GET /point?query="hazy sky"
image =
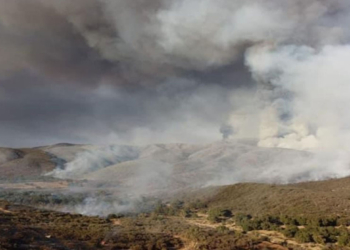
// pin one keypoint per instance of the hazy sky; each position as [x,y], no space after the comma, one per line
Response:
[145,71]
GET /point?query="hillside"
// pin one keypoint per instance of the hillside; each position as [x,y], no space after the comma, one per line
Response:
[331,197]
[184,166]
[131,173]
[223,195]
[23,227]
[24,163]
[177,166]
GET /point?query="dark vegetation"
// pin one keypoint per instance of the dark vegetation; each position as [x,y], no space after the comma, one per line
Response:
[315,212]
[44,198]
[26,228]
[304,229]
[331,197]
[319,230]
[184,233]
[23,227]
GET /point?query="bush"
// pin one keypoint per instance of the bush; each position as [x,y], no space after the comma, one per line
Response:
[223,229]
[329,222]
[216,214]
[329,234]
[343,222]
[301,221]
[318,238]
[290,231]
[239,218]
[303,236]
[197,205]
[177,205]
[344,239]
[249,225]
[286,220]
[314,222]
[186,213]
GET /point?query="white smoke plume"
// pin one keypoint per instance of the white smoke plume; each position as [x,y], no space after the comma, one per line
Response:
[315,100]
[94,160]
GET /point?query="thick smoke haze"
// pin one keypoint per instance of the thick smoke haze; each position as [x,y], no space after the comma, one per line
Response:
[116,71]
[120,179]
[270,77]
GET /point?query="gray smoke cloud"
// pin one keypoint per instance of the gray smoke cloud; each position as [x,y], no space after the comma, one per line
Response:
[115,70]
[150,71]
[154,38]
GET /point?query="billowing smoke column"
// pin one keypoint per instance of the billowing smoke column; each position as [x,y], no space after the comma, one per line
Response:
[297,52]
[307,103]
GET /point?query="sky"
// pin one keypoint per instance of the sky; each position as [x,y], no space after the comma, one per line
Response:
[162,71]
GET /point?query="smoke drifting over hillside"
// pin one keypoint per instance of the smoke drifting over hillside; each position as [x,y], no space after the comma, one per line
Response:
[104,71]
[144,72]
[120,179]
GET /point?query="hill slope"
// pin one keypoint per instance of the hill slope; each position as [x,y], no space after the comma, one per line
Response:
[331,197]
[24,163]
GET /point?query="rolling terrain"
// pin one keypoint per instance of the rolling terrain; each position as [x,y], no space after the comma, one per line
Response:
[25,163]
[219,163]
[224,195]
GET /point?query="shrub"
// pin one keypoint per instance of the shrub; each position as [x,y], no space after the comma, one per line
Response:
[329,234]
[290,231]
[314,222]
[216,214]
[316,237]
[177,204]
[197,205]
[343,222]
[223,229]
[329,222]
[186,213]
[344,239]
[239,218]
[249,225]
[303,236]
[301,221]
[286,220]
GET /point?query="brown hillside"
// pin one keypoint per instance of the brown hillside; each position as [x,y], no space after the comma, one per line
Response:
[18,163]
[330,197]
